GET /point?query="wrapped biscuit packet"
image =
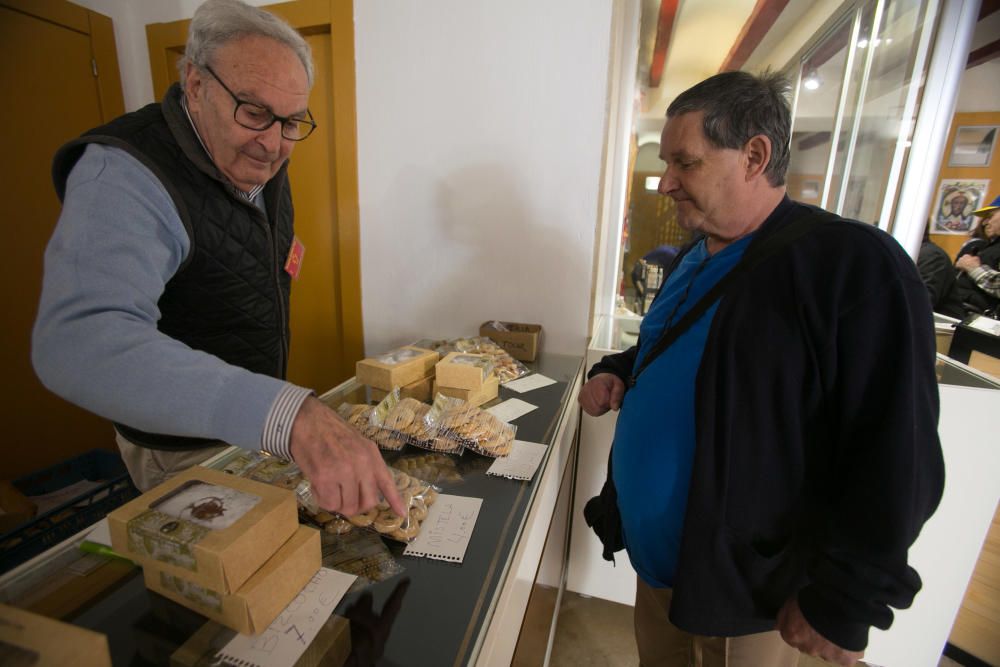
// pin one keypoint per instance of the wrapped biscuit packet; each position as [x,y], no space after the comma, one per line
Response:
[402,420]
[359,416]
[276,471]
[383,434]
[430,436]
[477,430]
[418,495]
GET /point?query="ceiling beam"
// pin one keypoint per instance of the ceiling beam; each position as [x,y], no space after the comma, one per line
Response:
[988,7]
[813,140]
[984,53]
[759,23]
[664,28]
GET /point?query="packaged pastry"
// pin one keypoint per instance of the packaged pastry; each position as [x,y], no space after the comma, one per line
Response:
[360,417]
[430,436]
[473,428]
[418,495]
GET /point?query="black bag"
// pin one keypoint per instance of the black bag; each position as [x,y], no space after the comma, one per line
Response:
[601,511]
[601,514]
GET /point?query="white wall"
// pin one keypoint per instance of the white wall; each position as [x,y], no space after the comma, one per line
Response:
[480,133]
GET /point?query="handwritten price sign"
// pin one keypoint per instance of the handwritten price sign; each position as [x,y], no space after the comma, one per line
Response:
[446,532]
[290,634]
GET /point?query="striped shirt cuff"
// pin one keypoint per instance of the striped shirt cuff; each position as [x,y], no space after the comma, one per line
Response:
[276,438]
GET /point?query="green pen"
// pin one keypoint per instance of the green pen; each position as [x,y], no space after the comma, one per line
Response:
[101,549]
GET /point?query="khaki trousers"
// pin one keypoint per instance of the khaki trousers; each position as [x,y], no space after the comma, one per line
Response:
[151,467]
[662,644]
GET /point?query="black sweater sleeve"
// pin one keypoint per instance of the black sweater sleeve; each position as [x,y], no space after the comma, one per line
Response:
[619,364]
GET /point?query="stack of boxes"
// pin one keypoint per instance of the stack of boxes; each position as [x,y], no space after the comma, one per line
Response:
[409,368]
[229,548]
[467,376]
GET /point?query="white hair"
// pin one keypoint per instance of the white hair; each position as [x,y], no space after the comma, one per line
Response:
[217,22]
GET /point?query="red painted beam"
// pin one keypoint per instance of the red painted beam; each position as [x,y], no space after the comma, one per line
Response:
[761,19]
[813,140]
[664,27]
[984,53]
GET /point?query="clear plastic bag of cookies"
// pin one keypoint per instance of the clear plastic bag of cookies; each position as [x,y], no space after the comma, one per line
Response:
[383,418]
[430,435]
[276,471]
[477,430]
[418,495]
[402,423]
[359,416]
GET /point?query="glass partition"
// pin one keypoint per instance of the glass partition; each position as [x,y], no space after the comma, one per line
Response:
[855,103]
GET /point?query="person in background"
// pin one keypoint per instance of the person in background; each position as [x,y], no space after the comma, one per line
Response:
[977,239]
[164,304]
[772,466]
[662,256]
[935,268]
[977,287]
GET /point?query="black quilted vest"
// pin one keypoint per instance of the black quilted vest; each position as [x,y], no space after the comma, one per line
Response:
[229,298]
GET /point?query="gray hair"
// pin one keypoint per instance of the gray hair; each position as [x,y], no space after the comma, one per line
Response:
[739,106]
[216,22]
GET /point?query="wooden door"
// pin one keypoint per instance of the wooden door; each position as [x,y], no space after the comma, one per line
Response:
[59,71]
[327,336]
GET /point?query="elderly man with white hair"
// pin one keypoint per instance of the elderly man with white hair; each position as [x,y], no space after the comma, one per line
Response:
[165,303]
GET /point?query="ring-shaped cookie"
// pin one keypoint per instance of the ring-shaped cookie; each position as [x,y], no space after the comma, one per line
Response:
[387,522]
[364,519]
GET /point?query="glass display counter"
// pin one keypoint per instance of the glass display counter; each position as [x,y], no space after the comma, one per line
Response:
[434,613]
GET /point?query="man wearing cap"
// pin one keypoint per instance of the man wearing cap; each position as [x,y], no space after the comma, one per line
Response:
[977,288]
[165,300]
[773,463]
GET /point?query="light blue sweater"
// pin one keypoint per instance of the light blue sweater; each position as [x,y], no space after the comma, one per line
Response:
[118,241]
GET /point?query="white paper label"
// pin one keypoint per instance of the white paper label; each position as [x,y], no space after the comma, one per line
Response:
[521,463]
[511,409]
[986,324]
[446,531]
[529,383]
[290,634]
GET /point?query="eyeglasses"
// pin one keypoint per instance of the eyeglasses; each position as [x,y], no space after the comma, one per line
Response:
[255,117]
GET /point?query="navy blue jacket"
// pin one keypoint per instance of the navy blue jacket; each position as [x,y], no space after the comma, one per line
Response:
[817,456]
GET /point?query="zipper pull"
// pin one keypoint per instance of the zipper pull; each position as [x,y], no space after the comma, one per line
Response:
[631,381]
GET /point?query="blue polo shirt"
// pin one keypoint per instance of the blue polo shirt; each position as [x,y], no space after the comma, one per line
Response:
[655,436]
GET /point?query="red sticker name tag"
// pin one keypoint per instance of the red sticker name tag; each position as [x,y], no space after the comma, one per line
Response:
[294,262]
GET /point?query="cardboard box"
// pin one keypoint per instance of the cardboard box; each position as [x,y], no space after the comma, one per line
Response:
[397,368]
[461,370]
[521,341]
[476,397]
[420,390]
[259,601]
[31,639]
[212,529]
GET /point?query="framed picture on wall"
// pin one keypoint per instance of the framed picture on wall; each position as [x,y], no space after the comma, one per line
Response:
[973,146]
[956,200]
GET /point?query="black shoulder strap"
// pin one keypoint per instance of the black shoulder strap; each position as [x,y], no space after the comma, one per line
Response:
[754,256]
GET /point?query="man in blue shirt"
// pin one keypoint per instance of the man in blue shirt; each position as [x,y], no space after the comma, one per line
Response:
[759,482]
[165,300]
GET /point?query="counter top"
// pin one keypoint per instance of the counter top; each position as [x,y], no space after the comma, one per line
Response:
[434,613]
